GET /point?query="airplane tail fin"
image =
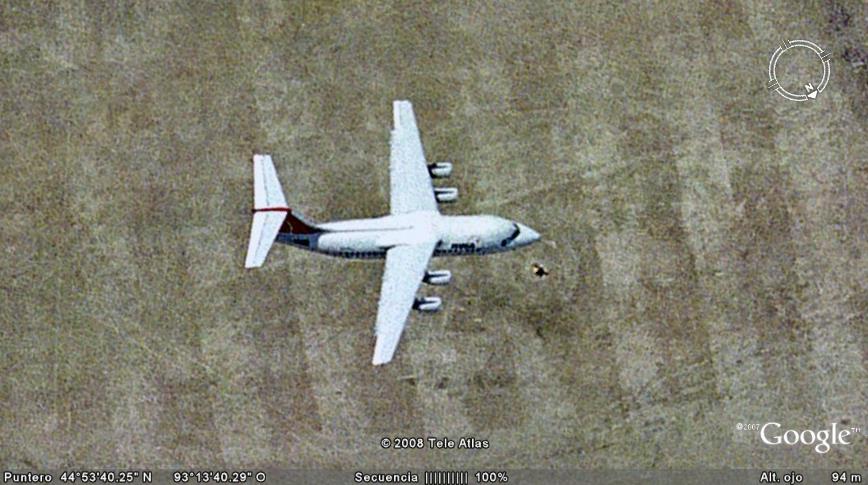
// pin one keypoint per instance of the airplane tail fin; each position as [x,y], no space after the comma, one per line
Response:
[271,215]
[269,210]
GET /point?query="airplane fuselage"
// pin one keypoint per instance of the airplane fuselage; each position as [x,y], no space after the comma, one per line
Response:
[456,235]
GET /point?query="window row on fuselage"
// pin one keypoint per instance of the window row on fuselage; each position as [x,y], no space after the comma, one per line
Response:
[359,254]
[452,250]
[462,248]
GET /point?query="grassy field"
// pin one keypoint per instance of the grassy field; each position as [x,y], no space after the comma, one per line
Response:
[707,239]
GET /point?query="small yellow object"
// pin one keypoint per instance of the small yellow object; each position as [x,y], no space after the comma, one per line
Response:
[539,270]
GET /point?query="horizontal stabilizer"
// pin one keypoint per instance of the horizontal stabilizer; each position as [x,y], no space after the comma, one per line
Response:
[269,210]
[266,187]
[262,234]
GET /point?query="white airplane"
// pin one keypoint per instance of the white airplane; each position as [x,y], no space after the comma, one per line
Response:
[408,237]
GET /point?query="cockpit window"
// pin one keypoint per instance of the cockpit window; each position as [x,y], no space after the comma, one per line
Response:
[512,236]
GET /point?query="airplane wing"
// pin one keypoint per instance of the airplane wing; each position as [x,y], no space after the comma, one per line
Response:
[411,188]
[405,268]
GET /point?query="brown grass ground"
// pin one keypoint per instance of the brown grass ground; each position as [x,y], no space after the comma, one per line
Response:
[706,239]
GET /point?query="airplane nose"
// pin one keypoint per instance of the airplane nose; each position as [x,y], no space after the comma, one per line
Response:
[527,235]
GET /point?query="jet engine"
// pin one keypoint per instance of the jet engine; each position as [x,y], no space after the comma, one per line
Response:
[446,194]
[438,277]
[440,170]
[427,304]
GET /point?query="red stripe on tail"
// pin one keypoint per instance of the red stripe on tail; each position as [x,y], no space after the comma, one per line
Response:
[273,209]
[295,225]
[291,224]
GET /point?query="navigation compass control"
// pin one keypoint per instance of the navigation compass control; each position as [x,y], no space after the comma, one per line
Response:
[811,92]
